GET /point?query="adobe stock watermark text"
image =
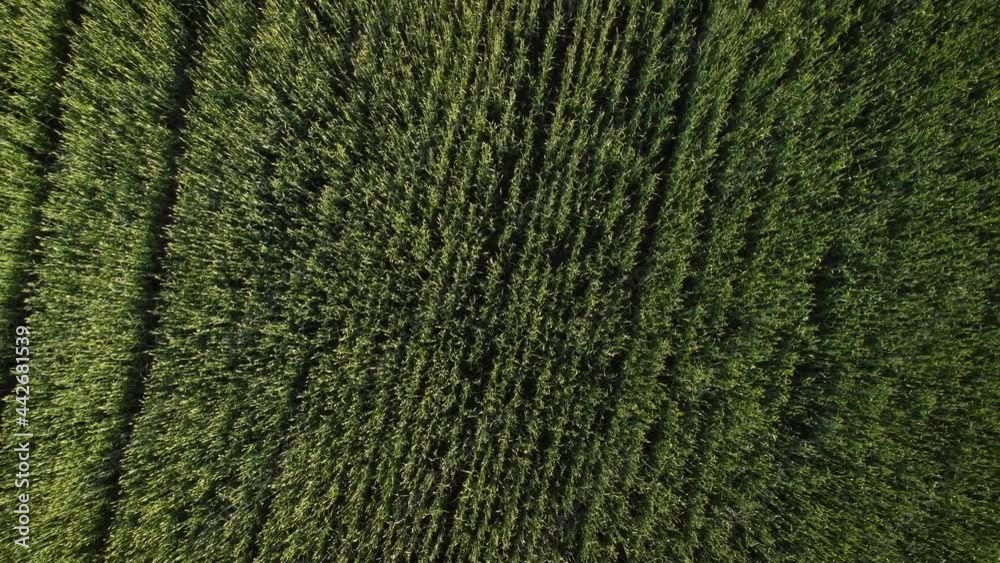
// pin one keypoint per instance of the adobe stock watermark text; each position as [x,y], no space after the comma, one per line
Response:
[22,436]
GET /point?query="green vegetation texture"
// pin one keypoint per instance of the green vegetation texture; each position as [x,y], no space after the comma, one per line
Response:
[503,280]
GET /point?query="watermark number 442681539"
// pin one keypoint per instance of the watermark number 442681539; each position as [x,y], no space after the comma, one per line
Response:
[22,436]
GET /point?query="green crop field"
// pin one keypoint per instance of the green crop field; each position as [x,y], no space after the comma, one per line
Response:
[500,280]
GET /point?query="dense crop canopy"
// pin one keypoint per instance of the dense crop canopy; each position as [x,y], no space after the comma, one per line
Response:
[494,281]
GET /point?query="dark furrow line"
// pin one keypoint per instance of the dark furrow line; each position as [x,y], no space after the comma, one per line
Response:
[46,162]
[192,17]
[688,318]
[797,421]
[705,220]
[63,53]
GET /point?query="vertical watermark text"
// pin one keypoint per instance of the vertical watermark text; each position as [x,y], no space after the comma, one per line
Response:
[22,436]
